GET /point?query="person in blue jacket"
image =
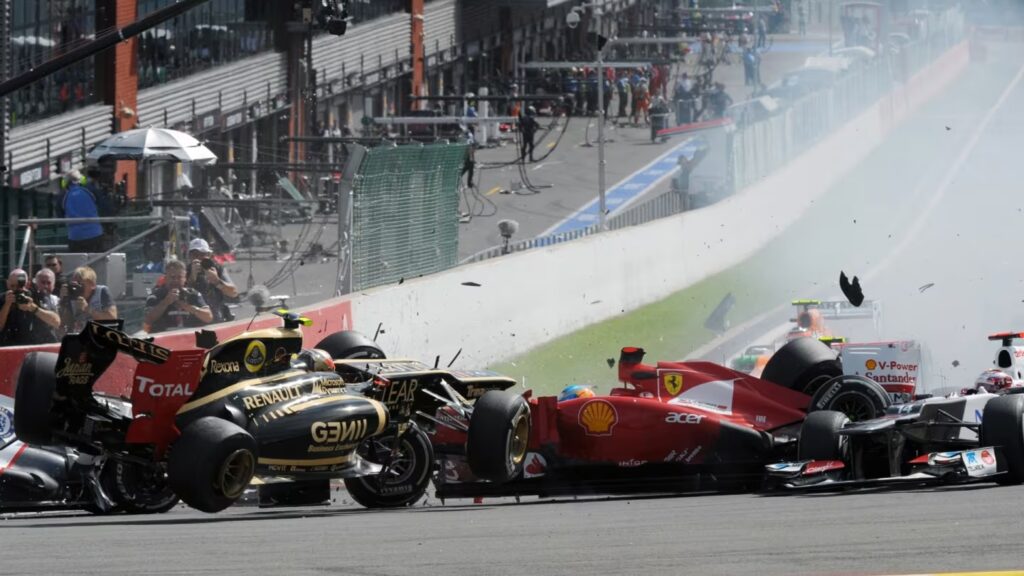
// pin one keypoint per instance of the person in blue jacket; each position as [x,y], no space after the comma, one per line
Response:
[80,202]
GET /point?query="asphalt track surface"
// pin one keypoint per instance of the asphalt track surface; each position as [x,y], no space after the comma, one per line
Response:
[956,209]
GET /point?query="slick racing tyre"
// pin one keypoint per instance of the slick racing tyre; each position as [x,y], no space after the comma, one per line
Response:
[405,477]
[858,397]
[1002,424]
[33,398]
[349,344]
[499,430]
[803,364]
[820,438]
[211,464]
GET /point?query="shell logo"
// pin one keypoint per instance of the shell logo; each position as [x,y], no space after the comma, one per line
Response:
[871,364]
[598,418]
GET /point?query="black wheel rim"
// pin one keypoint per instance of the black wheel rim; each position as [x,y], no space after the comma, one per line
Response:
[400,466]
[144,486]
[856,406]
[235,473]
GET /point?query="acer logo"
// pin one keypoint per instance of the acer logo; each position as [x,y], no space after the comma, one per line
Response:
[683,418]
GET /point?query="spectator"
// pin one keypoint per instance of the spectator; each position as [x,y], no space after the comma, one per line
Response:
[211,280]
[79,202]
[174,306]
[719,100]
[801,18]
[54,264]
[527,129]
[83,300]
[762,32]
[469,164]
[623,89]
[28,315]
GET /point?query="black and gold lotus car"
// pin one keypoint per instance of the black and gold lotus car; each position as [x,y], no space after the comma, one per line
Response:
[206,423]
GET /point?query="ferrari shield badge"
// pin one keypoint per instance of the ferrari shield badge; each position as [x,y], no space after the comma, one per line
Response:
[673,382]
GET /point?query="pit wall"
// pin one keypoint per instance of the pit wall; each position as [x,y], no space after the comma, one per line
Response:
[492,310]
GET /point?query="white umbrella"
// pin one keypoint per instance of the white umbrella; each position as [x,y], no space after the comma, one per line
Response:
[152,144]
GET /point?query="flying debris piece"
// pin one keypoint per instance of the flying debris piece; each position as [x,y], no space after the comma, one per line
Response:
[948,128]
[850,289]
[956,363]
[926,286]
[474,284]
[400,281]
[611,362]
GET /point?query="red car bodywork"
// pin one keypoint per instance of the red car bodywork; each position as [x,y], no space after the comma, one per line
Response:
[683,414]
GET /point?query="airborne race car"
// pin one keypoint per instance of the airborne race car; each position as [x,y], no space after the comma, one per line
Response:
[201,424]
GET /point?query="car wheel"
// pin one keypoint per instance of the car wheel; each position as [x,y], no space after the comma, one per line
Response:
[350,344]
[499,431]
[141,489]
[33,398]
[858,397]
[212,463]
[803,364]
[407,473]
[820,438]
[1002,424]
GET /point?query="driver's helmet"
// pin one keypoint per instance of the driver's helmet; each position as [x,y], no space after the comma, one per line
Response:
[993,381]
[575,391]
[316,360]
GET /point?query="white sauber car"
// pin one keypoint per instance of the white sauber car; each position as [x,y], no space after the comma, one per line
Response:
[976,435]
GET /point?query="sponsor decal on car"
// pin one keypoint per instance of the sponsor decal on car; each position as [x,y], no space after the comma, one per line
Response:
[633,463]
[673,382]
[255,356]
[598,418]
[821,466]
[334,436]
[535,465]
[684,456]
[980,462]
[77,373]
[683,418]
[155,389]
[6,423]
[871,364]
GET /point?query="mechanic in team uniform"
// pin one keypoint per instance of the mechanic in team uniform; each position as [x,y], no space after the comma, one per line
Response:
[174,306]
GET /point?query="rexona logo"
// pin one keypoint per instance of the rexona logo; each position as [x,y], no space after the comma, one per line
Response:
[598,418]
[683,418]
[154,389]
[338,432]
[224,367]
[255,356]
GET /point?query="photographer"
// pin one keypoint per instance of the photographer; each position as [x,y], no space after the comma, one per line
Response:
[82,300]
[28,315]
[54,264]
[211,280]
[174,306]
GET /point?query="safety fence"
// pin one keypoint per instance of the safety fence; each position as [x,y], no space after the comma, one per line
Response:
[405,213]
[759,148]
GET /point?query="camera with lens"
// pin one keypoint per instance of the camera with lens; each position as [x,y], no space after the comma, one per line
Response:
[207,264]
[21,294]
[75,290]
[185,293]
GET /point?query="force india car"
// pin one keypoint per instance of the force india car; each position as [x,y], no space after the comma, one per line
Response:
[202,424]
[671,426]
[976,435]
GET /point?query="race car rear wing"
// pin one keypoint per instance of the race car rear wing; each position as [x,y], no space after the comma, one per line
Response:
[85,356]
[843,310]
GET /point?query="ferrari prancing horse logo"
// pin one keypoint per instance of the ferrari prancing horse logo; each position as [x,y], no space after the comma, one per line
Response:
[673,382]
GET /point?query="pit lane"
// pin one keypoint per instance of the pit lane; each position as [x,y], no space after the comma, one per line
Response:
[878,532]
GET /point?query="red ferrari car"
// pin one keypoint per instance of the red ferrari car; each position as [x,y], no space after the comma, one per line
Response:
[670,426]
